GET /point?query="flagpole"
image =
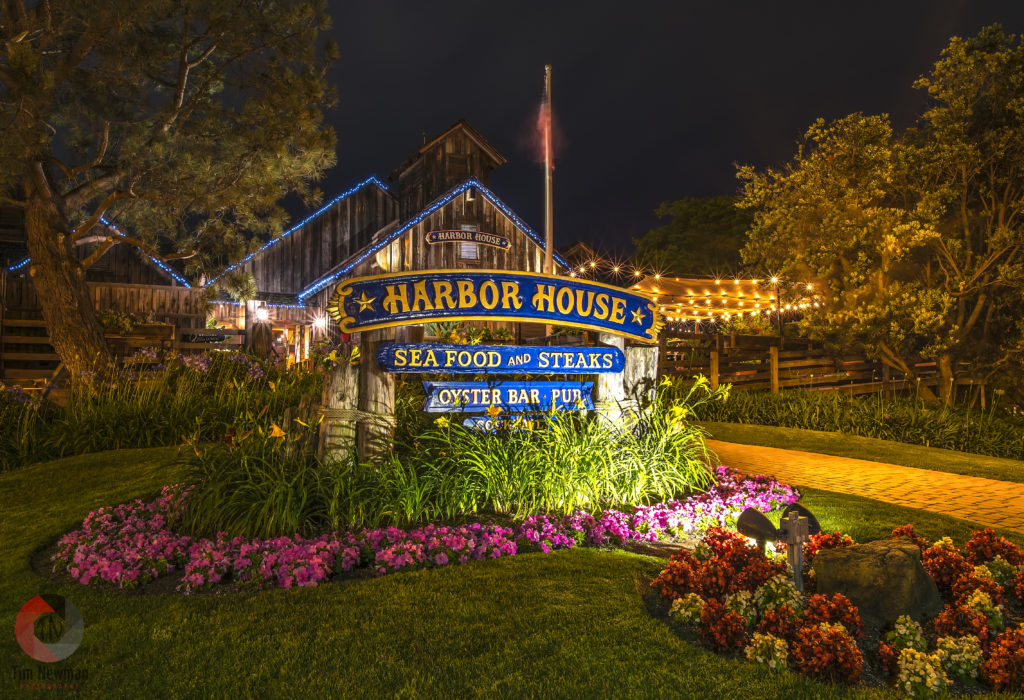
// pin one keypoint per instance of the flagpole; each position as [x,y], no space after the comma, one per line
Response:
[549,218]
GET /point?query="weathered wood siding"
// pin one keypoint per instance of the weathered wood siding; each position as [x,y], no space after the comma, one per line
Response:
[123,264]
[453,160]
[410,251]
[184,307]
[307,254]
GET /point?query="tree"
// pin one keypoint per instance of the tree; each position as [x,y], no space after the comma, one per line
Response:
[915,240]
[703,237]
[184,120]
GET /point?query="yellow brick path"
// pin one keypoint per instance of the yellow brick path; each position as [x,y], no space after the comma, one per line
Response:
[985,501]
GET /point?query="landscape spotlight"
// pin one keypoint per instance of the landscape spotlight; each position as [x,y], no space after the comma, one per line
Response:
[262,313]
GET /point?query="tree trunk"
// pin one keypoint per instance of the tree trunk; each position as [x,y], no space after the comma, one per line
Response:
[59,281]
[946,379]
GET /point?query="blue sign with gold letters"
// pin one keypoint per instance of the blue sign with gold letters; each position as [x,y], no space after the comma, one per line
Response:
[491,239]
[478,397]
[404,298]
[499,359]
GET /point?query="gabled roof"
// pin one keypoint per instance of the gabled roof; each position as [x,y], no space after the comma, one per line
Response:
[161,266]
[444,199]
[474,135]
[372,180]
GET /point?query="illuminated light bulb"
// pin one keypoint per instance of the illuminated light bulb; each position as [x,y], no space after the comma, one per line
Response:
[573,273]
[735,281]
[775,280]
[636,273]
[593,264]
[810,286]
[706,292]
[657,276]
[615,269]
[718,281]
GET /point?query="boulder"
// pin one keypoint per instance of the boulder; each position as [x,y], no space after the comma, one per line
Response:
[884,579]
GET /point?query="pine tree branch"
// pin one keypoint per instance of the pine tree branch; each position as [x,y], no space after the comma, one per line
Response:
[85,229]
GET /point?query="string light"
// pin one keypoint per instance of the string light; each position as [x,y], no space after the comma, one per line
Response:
[18,265]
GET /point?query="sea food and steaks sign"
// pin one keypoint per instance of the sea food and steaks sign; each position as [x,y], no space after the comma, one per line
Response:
[504,359]
[399,299]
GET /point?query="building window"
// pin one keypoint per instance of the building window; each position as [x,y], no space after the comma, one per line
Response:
[468,251]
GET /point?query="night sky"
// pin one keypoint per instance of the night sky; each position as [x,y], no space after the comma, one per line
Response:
[655,100]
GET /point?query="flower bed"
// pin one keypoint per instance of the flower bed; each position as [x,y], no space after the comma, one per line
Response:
[134,543]
[728,597]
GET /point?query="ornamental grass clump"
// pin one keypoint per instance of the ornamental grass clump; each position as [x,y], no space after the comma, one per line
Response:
[560,464]
[767,652]
[921,674]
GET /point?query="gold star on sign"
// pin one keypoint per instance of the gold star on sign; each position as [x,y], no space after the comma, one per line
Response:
[638,316]
[366,303]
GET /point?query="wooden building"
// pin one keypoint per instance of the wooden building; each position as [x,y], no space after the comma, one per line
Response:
[436,213]
[373,228]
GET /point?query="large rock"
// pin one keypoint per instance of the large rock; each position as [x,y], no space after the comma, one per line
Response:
[884,579]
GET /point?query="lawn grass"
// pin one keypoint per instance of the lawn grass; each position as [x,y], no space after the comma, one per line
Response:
[567,624]
[874,449]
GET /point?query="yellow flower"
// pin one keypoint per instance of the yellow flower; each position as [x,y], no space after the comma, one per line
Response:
[493,411]
[332,355]
[275,431]
[442,422]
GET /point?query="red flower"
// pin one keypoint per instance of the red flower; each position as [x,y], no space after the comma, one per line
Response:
[826,652]
[720,628]
[824,540]
[783,622]
[944,564]
[678,578]
[908,532]
[960,621]
[968,583]
[985,545]
[838,608]
[1005,665]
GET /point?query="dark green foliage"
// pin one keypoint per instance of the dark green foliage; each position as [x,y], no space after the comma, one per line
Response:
[991,432]
[256,484]
[147,410]
[703,237]
[260,485]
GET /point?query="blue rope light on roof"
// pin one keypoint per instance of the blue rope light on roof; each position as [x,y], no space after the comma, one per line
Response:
[159,263]
[372,180]
[18,265]
[317,286]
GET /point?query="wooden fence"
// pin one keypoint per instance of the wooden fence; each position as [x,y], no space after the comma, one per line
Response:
[177,315]
[776,364]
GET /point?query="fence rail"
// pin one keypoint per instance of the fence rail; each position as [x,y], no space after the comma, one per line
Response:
[777,364]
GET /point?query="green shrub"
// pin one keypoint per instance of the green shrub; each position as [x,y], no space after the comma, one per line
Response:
[991,432]
[261,485]
[263,482]
[202,395]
